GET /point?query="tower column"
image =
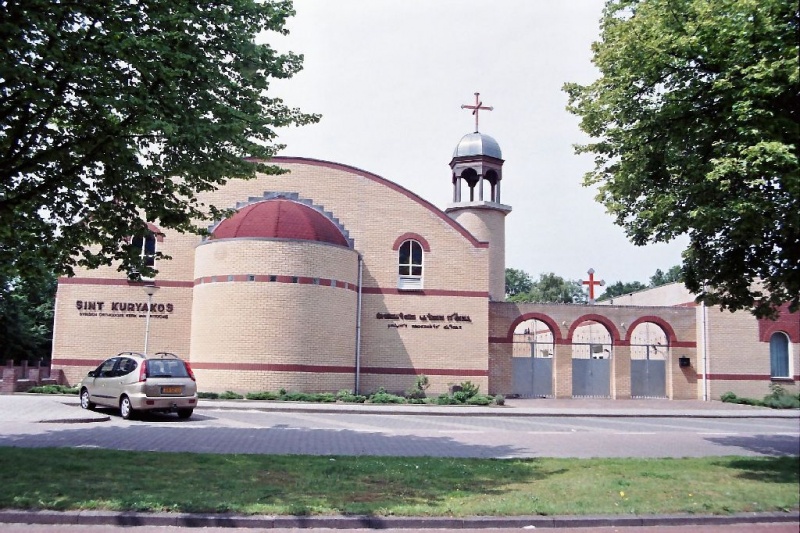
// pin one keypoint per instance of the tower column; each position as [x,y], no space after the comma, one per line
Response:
[480,187]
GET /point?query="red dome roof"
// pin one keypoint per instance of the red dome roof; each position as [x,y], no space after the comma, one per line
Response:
[280,219]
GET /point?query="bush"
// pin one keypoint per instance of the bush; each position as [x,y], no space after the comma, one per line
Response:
[729,397]
[469,389]
[265,395]
[230,395]
[500,399]
[417,391]
[778,398]
[53,389]
[479,399]
[208,395]
[385,397]
[446,399]
[347,396]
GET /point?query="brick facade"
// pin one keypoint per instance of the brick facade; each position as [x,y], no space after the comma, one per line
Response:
[255,314]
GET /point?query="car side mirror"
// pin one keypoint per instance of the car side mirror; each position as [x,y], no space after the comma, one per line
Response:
[91,373]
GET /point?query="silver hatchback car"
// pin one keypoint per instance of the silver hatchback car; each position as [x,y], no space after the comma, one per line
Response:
[134,382]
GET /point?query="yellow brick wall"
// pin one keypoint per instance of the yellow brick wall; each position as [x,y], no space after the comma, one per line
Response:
[734,348]
[488,225]
[458,347]
[93,334]
[239,322]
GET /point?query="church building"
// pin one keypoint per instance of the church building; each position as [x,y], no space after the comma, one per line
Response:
[329,278]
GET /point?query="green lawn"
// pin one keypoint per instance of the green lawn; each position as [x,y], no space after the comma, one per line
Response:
[64,479]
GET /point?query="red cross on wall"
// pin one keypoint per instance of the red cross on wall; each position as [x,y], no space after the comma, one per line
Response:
[476,109]
[591,283]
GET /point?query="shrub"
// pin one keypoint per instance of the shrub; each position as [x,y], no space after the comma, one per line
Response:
[500,399]
[446,399]
[729,397]
[208,395]
[265,395]
[53,389]
[347,396]
[782,402]
[479,399]
[417,391]
[469,388]
[230,395]
[384,397]
[778,398]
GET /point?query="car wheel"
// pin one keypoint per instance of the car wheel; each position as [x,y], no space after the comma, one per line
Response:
[125,408]
[185,413]
[86,403]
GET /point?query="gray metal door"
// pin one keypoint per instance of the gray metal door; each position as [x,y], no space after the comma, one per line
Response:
[591,378]
[648,378]
[533,377]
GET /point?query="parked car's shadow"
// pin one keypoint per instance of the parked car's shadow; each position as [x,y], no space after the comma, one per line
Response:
[149,416]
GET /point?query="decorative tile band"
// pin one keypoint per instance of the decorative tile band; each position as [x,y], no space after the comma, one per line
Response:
[273,278]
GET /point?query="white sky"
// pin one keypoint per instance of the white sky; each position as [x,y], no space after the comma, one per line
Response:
[389,78]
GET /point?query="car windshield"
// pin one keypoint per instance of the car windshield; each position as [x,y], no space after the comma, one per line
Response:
[159,368]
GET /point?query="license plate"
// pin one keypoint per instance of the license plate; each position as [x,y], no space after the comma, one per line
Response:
[171,390]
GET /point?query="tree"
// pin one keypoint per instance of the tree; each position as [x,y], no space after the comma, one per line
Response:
[517,282]
[552,289]
[115,114]
[671,276]
[695,121]
[619,288]
[26,315]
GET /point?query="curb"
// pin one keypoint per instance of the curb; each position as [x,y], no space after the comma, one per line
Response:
[109,518]
[503,412]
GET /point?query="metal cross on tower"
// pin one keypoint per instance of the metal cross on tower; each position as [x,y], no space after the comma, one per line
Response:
[476,109]
[591,283]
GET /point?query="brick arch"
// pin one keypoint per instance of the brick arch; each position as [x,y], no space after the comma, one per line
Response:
[156,231]
[411,236]
[612,329]
[672,338]
[159,235]
[538,316]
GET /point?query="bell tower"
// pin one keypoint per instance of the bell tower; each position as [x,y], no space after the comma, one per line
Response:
[477,171]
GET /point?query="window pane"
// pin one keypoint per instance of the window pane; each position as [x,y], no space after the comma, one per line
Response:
[405,252]
[779,355]
[416,253]
[416,271]
[404,270]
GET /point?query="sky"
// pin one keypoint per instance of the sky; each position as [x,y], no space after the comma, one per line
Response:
[389,78]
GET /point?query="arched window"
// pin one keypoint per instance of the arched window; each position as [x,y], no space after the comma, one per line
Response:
[779,355]
[145,247]
[410,265]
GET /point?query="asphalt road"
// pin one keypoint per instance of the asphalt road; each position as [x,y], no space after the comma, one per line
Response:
[243,430]
[527,429]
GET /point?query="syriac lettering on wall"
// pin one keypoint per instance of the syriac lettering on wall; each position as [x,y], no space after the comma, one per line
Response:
[425,321]
[123,309]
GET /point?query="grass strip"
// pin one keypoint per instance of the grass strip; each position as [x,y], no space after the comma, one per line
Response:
[78,479]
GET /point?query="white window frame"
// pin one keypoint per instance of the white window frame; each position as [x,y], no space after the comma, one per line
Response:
[789,369]
[406,279]
[149,258]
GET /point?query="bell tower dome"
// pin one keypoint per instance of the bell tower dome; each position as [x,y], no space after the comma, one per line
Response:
[477,170]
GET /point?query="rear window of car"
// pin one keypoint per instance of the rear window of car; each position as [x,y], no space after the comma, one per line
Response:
[163,368]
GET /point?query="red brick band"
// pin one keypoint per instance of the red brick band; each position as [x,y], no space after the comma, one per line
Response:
[273,367]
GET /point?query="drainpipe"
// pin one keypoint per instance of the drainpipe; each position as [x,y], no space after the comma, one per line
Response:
[358,326]
[704,321]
